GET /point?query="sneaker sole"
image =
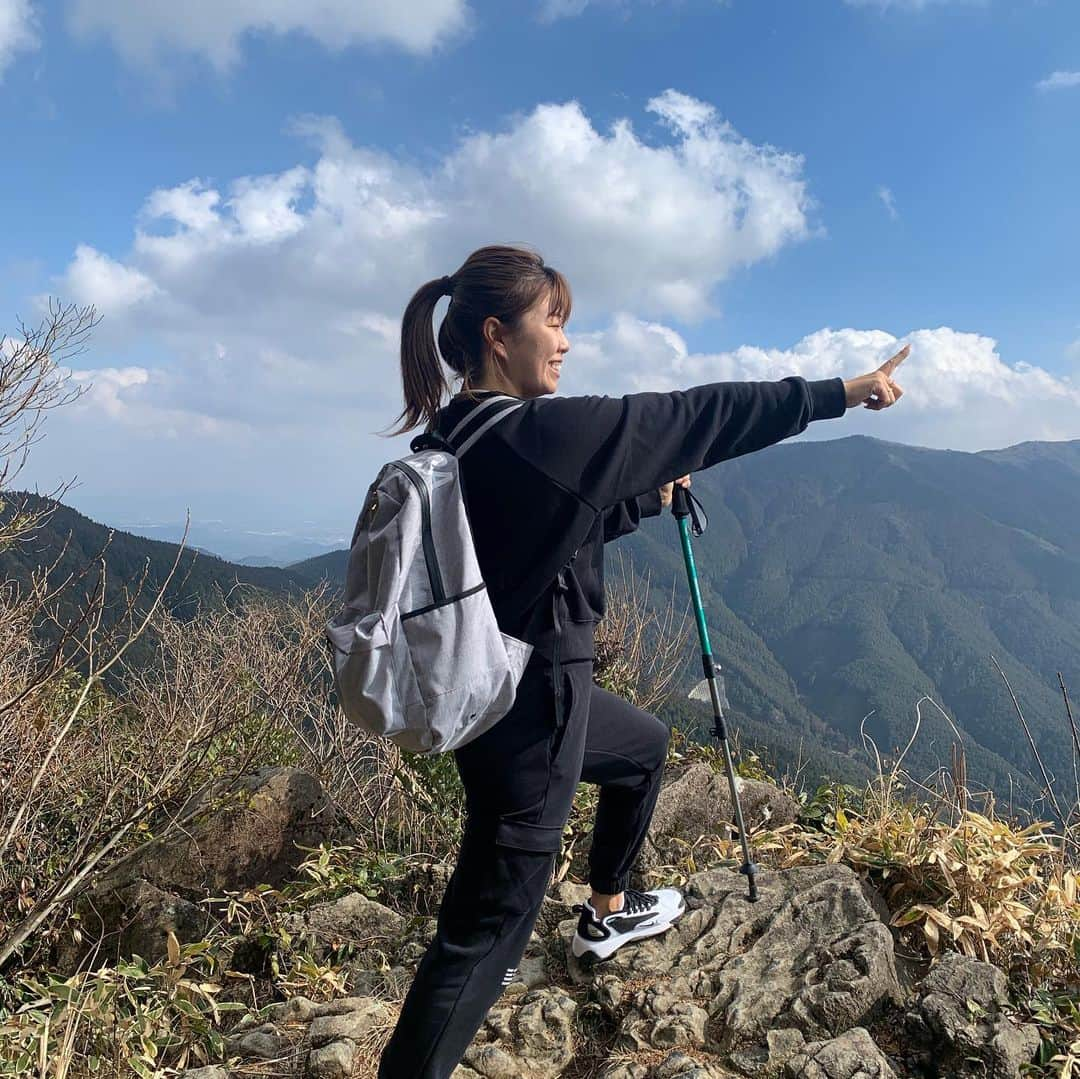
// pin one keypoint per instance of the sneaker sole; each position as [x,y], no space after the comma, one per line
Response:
[592,952]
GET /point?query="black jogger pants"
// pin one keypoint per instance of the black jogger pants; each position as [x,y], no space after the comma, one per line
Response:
[519,778]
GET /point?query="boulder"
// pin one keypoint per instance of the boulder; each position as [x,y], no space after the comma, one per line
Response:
[698,802]
[353,920]
[134,919]
[960,1021]
[254,838]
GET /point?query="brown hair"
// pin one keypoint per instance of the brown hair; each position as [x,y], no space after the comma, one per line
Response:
[498,281]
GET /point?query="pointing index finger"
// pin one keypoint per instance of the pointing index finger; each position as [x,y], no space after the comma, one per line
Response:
[894,362]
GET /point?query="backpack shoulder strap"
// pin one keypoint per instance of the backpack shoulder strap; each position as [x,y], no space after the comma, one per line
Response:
[480,419]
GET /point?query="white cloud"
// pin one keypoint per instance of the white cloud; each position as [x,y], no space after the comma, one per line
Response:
[266,312]
[888,200]
[958,391]
[109,285]
[255,325]
[18,30]
[1059,80]
[215,29]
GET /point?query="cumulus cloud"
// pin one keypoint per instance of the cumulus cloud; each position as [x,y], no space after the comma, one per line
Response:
[18,30]
[1059,80]
[215,29]
[655,225]
[959,393]
[255,324]
[109,285]
[266,312]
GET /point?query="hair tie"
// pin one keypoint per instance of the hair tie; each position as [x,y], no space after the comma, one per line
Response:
[447,285]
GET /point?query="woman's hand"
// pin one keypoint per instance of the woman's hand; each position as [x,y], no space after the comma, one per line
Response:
[877,389]
[668,489]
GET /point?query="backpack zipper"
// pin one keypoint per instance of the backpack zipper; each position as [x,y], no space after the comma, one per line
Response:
[438,592]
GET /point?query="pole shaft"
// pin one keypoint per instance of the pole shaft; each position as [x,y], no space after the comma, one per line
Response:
[719,729]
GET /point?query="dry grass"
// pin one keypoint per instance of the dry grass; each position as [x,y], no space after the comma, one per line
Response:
[87,778]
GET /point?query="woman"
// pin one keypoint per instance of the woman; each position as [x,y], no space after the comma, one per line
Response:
[545,489]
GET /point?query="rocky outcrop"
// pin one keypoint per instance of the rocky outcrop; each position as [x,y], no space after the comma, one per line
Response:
[353,920]
[790,987]
[132,919]
[960,1019]
[801,984]
[697,802]
[811,955]
[254,838]
[852,1055]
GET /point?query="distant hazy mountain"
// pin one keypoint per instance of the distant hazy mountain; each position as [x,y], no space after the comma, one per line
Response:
[242,546]
[200,578]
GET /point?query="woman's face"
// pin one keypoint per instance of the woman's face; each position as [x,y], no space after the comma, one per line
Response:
[530,357]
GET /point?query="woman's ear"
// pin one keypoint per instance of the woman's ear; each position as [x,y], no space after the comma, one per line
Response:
[493,339]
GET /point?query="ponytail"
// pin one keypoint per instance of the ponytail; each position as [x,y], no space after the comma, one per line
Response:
[498,281]
[421,370]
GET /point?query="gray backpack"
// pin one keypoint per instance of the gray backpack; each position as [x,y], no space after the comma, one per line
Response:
[417,654]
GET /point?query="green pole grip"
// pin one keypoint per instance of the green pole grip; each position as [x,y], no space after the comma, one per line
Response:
[695,591]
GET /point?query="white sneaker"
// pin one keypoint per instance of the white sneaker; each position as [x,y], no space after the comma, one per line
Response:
[643,914]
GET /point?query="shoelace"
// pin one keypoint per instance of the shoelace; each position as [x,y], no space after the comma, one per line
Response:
[633,903]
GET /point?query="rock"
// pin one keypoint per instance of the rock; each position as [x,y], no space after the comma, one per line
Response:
[421,888]
[341,1006]
[253,839]
[263,1043]
[567,893]
[662,1016]
[676,1065]
[852,1055]
[351,920]
[766,1061]
[209,1072]
[679,1066]
[298,1009]
[532,1040]
[810,954]
[634,1070]
[532,972]
[698,802]
[545,1030]
[959,1018]
[354,1024]
[134,919]
[294,1010]
[333,1061]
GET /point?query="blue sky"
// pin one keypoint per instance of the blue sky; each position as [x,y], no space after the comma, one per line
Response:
[746,189]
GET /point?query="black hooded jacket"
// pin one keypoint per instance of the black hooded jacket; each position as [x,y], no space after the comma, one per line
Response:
[559,477]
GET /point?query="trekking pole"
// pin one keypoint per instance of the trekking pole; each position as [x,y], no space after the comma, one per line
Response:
[683,508]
